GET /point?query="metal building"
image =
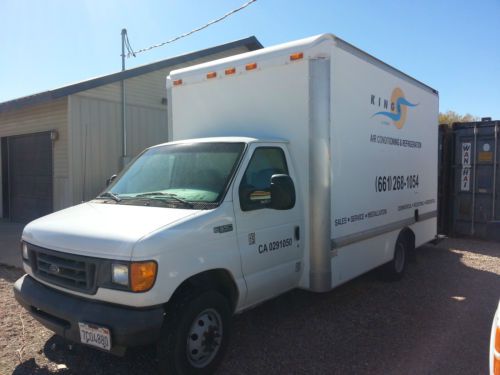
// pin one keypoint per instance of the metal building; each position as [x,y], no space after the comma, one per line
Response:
[58,147]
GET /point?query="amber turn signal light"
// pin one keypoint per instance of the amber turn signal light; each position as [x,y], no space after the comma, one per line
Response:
[142,275]
[496,352]
[497,339]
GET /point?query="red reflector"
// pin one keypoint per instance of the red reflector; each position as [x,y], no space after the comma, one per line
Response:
[177,82]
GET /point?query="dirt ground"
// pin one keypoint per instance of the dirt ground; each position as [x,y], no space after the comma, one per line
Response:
[436,320]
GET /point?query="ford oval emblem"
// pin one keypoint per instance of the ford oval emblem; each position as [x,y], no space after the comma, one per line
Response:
[53,268]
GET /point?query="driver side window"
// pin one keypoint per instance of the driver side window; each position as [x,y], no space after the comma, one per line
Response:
[255,186]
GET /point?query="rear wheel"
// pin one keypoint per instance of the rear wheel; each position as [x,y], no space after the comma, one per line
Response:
[395,269]
[195,334]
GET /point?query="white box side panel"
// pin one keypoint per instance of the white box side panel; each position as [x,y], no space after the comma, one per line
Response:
[371,141]
[269,103]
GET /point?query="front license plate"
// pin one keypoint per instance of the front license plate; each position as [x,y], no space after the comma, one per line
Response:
[91,334]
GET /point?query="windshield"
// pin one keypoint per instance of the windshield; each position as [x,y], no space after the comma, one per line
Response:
[188,175]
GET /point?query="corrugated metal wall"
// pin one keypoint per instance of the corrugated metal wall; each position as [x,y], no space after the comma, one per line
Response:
[96,140]
[95,133]
[39,118]
[89,147]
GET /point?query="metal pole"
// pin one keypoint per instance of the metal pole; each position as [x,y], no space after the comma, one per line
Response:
[494,174]
[474,182]
[124,123]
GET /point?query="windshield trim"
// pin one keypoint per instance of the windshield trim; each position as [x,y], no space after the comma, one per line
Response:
[233,174]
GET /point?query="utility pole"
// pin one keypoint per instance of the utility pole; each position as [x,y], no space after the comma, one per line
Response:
[125,158]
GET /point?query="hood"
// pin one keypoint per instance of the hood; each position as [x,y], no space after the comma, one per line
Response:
[100,230]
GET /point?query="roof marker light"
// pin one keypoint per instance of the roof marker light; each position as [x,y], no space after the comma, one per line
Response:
[296,56]
[177,82]
[230,71]
[211,75]
[251,66]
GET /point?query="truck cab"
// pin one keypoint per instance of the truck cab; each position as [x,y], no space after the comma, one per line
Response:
[216,215]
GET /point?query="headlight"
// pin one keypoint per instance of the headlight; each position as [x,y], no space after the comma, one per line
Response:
[24,248]
[119,274]
[137,276]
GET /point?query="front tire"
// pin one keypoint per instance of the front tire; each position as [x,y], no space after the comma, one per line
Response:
[195,334]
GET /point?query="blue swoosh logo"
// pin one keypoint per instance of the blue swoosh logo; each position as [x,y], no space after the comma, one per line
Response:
[397,116]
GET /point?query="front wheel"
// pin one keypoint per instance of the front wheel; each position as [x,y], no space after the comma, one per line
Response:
[195,334]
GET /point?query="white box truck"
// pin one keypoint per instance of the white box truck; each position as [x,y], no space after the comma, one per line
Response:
[302,165]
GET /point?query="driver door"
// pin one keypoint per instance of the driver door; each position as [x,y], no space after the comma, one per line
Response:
[269,239]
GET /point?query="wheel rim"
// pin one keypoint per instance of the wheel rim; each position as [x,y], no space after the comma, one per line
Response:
[204,338]
[399,258]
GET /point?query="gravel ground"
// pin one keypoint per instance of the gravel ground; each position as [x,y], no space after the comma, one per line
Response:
[436,320]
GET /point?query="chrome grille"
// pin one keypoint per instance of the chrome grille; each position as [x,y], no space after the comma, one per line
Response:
[66,270]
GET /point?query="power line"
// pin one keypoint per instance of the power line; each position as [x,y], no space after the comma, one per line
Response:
[134,53]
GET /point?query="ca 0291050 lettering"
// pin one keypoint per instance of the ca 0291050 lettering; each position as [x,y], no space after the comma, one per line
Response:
[275,245]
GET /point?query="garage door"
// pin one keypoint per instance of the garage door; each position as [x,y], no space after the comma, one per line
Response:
[29,176]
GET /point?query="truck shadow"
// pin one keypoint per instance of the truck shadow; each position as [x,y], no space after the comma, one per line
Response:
[436,320]
[79,359]
[10,273]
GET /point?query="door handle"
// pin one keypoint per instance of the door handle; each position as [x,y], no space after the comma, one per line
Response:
[297,233]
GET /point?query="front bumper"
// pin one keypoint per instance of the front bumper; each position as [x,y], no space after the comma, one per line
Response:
[61,312]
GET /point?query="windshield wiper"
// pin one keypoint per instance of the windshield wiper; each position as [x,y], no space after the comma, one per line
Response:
[111,195]
[170,196]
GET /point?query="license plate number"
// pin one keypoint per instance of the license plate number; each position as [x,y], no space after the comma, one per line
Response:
[93,335]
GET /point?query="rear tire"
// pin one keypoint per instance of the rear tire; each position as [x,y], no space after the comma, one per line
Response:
[395,269]
[195,334]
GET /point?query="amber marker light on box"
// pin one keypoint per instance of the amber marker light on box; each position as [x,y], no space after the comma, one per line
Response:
[296,56]
[230,71]
[177,82]
[251,66]
[142,275]
[211,75]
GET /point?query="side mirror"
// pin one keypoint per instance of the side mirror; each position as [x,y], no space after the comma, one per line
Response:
[282,192]
[251,199]
[110,180]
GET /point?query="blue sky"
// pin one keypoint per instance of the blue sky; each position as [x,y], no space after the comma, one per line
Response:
[453,46]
